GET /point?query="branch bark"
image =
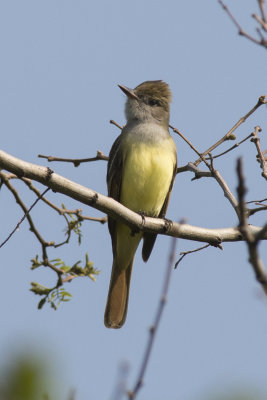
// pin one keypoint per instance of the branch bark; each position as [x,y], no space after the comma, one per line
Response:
[116,210]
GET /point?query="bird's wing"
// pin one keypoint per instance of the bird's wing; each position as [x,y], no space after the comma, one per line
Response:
[114,178]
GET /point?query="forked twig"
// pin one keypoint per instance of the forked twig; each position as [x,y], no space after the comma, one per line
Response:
[184,253]
[233,147]
[228,135]
[262,22]
[252,242]
[26,211]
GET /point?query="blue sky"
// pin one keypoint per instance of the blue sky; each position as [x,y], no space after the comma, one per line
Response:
[61,62]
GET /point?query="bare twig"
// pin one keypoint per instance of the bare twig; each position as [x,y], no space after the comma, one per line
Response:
[184,253]
[262,23]
[260,155]
[75,161]
[229,134]
[62,211]
[262,41]
[253,211]
[262,9]
[233,147]
[186,140]
[33,229]
[115,123]
[226,190]
[252,242]
[259,203]
[256,201]
[152,331]
[25,210]
[213,173]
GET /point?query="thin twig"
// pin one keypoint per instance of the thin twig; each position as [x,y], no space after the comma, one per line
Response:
[112,122]
[44,243]
[262,9]
[256,201]
[102,220]
[227,136]
[190,144]
[252,211]
[213,173]
[217,176]
[262,42]
[152,332]
[75,161]
[61,211]
[185,139]
[233,147]
[24,208]
[260,155]
[184,253]
[252,242]
[226,190]
[263,25]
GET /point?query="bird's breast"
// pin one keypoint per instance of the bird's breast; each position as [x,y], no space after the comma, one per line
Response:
[147,174]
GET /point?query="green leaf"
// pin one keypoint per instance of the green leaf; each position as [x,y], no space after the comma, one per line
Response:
[41,303]
[35,262]
[39,289]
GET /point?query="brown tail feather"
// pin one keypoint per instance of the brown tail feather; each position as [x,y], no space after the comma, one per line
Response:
[117,302]
[149,241]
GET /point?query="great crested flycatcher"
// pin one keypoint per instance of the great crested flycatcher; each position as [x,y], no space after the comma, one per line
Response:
[141,170]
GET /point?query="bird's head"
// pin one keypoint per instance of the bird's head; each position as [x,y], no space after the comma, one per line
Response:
[149,101]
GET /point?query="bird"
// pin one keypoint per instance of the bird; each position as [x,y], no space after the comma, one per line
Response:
[141,170]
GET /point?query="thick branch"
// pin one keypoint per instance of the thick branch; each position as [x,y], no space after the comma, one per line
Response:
[116,210]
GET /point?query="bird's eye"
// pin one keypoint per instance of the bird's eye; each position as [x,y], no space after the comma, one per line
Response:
[153,102]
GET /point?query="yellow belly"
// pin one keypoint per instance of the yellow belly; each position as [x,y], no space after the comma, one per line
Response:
[147,175]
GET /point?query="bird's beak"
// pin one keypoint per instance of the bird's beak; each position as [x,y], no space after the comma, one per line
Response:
[129,92]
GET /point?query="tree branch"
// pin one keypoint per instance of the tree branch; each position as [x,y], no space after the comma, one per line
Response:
[252,241]
[116,210]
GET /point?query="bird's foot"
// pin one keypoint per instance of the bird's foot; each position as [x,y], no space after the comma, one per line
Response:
[167,225]
[135,231]
[142,214]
